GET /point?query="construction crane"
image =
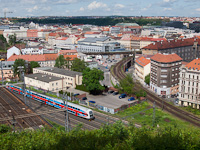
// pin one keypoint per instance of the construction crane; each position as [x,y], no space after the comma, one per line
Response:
[5,12]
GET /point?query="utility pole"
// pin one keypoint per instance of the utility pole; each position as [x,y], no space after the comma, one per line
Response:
[2,71]
[65,97]
[154,111]
[24,87]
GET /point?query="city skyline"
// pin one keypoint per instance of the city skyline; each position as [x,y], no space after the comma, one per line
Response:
[24,8]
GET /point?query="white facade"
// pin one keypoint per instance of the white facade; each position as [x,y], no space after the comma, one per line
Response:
[142,71]
[20,33]
[13,50]
[32,51]
[159,90]
[70,78]
[189,87]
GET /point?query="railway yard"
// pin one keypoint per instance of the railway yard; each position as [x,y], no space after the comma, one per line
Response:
[15,113]
[118,72]
[11,107]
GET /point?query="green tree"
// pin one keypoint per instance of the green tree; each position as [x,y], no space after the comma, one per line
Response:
[126,85]
[12,39]
[91,78]
[34,64]
[147,79]
[17,63]
[60,62]
[67,63]
[78,65]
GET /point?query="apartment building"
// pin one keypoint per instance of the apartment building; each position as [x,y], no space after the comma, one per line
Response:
[142,67]
[165,74]
[189,84]
[7,69]
[187,49]
[69,78]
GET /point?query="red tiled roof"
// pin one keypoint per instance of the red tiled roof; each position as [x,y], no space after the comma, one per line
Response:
[170,44]
[43,57]
[71,56]
[61,38]
[195,64]
[67,51]
[166,58]
[53,34]
[89,32]
[143,61]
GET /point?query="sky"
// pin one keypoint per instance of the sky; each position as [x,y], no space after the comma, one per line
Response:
[25,8]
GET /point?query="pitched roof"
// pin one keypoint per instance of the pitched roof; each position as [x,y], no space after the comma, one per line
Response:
[90,32]
[195,64]
[170,44]
[166,58]
[143,61]
[53,34]
[43,57]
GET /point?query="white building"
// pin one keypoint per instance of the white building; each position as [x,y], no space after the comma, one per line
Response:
[70,78]
[32,51]
[95,45]
[189,85]
[13,50]
[142,68]
[45,82]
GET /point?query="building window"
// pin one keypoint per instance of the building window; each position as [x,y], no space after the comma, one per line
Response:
[56,83]
[52,84]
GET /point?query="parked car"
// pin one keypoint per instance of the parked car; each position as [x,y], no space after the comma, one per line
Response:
[115,93]
[131,99]
[84,98]
[122,96]
[76,94]
[110,92]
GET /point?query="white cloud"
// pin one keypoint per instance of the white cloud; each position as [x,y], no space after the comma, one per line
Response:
[82,9]
[67,11]
[28,1]
[48,8]
[198,9]
[66,1]
[167,3]
[119,6]
[32,9]
[165,9]
[96,5]
[145,8]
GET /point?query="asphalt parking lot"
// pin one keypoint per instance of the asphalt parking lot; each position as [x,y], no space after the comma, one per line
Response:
[107,100]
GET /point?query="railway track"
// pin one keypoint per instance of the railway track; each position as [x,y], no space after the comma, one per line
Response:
[119,74]
[100,119]
[10,106]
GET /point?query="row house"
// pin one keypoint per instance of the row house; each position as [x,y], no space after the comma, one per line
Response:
[187,49]
[164,78]
[189,84]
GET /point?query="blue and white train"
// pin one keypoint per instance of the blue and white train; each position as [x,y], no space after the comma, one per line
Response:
[72,108]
